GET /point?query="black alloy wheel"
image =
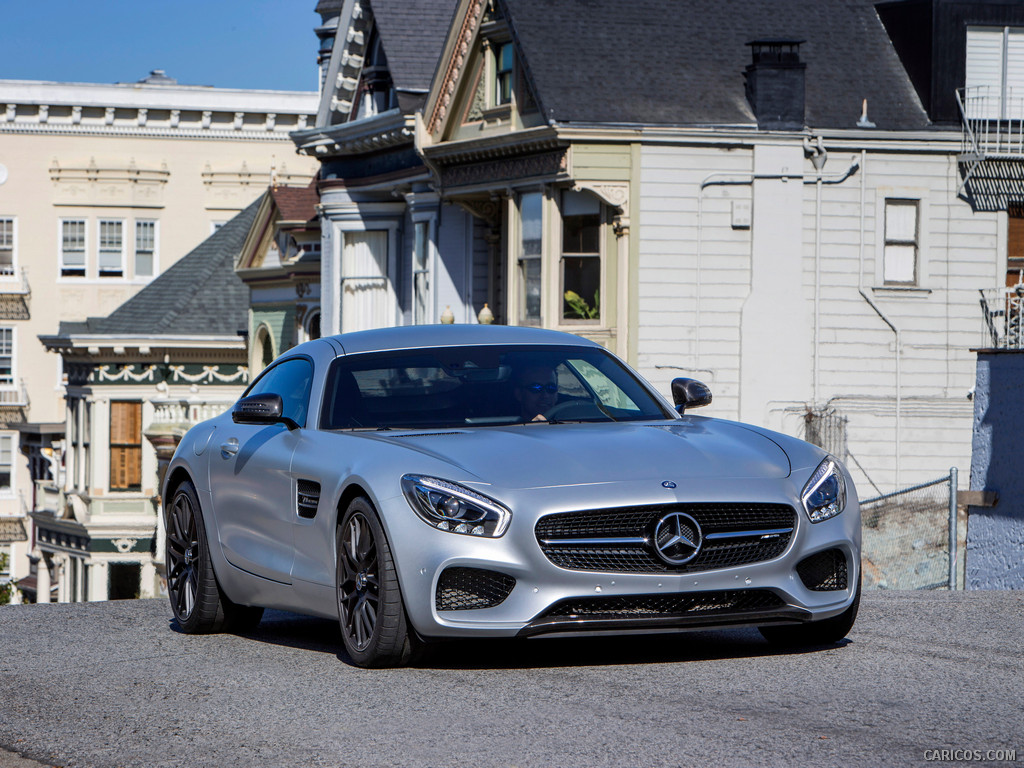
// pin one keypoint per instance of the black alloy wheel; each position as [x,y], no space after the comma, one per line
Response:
[198,604]
[374,627]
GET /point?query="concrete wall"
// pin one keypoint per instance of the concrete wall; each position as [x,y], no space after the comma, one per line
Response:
[995,536]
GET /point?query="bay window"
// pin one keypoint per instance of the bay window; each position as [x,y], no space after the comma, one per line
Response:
[581,256]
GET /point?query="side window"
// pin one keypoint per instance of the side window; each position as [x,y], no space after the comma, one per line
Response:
[292,380]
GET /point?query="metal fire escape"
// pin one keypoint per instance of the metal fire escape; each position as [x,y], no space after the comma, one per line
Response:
[991,156]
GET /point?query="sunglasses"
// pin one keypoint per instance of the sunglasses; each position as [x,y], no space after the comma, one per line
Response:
[538,388]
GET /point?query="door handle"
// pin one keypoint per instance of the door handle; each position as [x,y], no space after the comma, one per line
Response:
[229,447]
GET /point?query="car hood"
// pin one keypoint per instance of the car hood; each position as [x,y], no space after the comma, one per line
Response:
[547,455]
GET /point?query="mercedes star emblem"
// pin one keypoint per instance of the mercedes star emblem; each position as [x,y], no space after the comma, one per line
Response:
[677,538]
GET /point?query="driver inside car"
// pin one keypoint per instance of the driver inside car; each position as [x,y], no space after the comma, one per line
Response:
[536,391]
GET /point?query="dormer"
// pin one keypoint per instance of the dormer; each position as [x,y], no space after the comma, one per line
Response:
[485,86]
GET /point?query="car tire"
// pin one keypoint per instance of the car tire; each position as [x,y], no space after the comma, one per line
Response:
[825,632]
[374,627]
[198,604]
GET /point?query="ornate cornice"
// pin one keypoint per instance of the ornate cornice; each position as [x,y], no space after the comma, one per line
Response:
[388,129]
[530,141]
[456,62]
[210,134]
[547,165]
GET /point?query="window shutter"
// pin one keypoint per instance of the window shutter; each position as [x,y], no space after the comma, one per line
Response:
[1014,71]
[125,445]
[985,67]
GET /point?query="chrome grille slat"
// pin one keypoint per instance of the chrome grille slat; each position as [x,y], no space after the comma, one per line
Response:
[617,539]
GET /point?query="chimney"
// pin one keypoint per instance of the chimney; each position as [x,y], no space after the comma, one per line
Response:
[775,84]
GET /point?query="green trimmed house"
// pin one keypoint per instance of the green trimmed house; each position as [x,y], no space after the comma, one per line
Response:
[171,356]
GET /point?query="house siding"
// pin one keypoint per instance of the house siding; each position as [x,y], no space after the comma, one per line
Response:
[856,366]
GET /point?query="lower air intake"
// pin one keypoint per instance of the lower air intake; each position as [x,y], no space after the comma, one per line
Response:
[666,606]
[464,589]
[824,572]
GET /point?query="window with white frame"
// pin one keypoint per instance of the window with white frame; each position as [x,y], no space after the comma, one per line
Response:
[72,248]
[6,357]
[531,220]
[111,263]
[581,256]
[6,463]
[900,259]
[995,70]
[7,265]
[145,248]
[421,273]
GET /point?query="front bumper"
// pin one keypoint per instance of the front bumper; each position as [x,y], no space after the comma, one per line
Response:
[546,598]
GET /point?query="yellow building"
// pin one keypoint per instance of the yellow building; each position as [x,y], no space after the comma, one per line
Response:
[102,188]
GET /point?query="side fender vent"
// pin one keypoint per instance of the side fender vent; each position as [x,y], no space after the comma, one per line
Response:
[308,498]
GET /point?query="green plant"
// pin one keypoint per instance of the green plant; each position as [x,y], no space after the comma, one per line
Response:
[7,588]
[578,309]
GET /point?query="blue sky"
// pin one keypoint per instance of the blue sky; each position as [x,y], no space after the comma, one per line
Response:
[225,43]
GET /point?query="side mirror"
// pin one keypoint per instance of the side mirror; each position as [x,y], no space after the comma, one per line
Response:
[690,393]
[261,409]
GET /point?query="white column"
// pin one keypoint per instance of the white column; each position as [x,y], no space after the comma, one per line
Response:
[42,579]
[147,580]
[60,575]
[97,582]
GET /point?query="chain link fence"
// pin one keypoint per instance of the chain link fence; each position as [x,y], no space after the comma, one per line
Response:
[914,538]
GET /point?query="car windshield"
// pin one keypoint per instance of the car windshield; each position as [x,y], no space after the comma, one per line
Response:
[483,386]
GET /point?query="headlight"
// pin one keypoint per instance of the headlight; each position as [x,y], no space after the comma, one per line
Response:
[455,508]
[824,496]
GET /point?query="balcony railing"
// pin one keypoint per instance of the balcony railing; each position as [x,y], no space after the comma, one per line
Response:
[993,122]
[13,282]
[1003,314]
[14,395]
[176,412]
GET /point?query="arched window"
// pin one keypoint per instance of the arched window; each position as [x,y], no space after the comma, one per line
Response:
[313,325]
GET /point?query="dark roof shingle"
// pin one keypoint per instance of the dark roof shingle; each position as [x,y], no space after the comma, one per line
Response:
[413,34]
[682,63]
[199,295]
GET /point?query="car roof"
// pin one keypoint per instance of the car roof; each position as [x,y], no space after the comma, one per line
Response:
[417,336]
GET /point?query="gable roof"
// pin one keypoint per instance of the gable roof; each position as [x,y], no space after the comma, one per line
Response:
[682,63]
[199,295]
[412,33]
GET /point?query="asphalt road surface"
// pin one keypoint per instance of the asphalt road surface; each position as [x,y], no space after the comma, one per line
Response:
[114,684]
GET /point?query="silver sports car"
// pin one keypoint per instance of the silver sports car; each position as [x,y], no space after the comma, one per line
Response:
[453,481]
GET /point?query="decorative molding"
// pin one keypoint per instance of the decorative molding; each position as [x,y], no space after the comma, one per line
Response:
[456,62]
[475,113]
[124,545]
[546,164]
[146,374]
[488,211]
[614,194]
[209,374]
[124,185]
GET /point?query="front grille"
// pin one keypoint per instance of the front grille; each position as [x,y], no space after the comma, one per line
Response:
[555,532]
[676,605]
[463,589]
[824,572]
